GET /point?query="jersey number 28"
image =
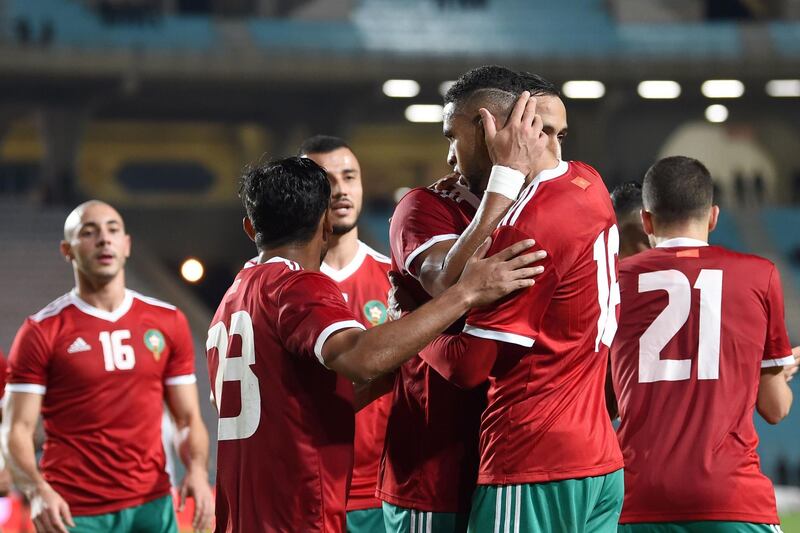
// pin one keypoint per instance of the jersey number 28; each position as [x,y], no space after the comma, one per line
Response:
[246,422]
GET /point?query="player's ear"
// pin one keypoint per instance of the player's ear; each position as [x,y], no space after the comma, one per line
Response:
[66,251]
[647,222]
[249,229]
[713,218]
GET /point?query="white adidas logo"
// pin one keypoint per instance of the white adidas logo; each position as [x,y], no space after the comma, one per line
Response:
[78,345]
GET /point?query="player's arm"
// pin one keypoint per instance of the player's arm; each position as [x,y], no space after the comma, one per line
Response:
[192,443]
[364,355]
[462,359]
[516,150]
[774,395]
[48,509]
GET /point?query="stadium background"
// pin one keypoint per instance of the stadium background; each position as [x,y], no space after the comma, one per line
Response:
[156,105]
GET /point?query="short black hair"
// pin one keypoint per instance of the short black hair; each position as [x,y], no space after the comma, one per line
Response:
[321,144]
[285,200]
[676,189]
[500,78]
[627,198]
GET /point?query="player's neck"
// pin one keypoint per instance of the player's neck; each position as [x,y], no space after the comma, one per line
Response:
[548,162]
[342,249]
[688,231]
[105,295]
[307,255]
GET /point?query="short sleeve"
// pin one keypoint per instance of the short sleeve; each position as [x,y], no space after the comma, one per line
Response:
[28,360]
[3,374]
[421,220]
[777,349]
[517,318]
[311,309]
[180,366]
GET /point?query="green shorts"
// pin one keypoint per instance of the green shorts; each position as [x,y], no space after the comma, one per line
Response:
[705,526]
[402,520]
[365,521]
[156,516]
[587,505]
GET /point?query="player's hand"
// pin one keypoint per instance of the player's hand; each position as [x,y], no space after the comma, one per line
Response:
[486,279]
[195,485]
[791,370]
[520,143]
[399,301]
[443,184]
[49,512]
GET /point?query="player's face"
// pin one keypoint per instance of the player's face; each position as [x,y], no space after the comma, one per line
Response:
[467,152]
[344,173]
[554,122]
[98,245]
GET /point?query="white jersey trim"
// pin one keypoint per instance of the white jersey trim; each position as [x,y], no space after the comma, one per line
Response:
[681,241]
[781,361]
[110,316]
[511,338]
[31,388]
[527,193]
[53,308]
[424,246]
[330,330]
[352,267]
[153,301]
[188,379]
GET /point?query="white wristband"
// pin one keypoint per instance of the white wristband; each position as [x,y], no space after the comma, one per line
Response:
[506,181]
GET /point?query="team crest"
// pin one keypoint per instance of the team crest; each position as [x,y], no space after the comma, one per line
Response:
[154,341]
[375,312]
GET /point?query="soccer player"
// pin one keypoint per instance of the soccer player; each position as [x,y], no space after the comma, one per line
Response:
[430,458]
[98,363]
[701,344]
[627,201]
[361,274]
[549,459]
[284,347]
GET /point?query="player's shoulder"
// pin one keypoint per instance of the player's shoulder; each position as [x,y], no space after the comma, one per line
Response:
[453,195]
[53,309]
[748,261]
[152,302]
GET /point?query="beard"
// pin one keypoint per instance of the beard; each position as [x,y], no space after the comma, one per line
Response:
[341,229]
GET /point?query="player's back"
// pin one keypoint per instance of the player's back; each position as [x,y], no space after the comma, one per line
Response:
[286,422]
[546,419]
[697,324]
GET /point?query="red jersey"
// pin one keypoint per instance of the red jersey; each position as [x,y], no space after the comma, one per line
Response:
[698,323]
[365,285]
[430,454]
[3,374]
[546,419]
[285,448]
[102,375]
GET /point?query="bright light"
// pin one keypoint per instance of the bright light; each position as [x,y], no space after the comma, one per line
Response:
[716,113]
[401,88]
[445,86]
[192,270]
[783,88]
[659,89]
[424,113]
[584,89]
[722,88]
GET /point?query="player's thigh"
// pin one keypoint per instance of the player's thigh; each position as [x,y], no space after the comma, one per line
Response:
[403,520]
[101,523]
[566,506]
[699,527]
[606,494]
[366,521]
[156,516]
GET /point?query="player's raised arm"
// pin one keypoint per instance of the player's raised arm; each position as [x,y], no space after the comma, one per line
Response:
[365,355]
[49,511]
[515,150]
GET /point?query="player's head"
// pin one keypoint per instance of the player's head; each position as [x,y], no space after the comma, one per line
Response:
[677,197]
[344,174]
[95,242]
[286,201]
[627,201]
[495,88]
